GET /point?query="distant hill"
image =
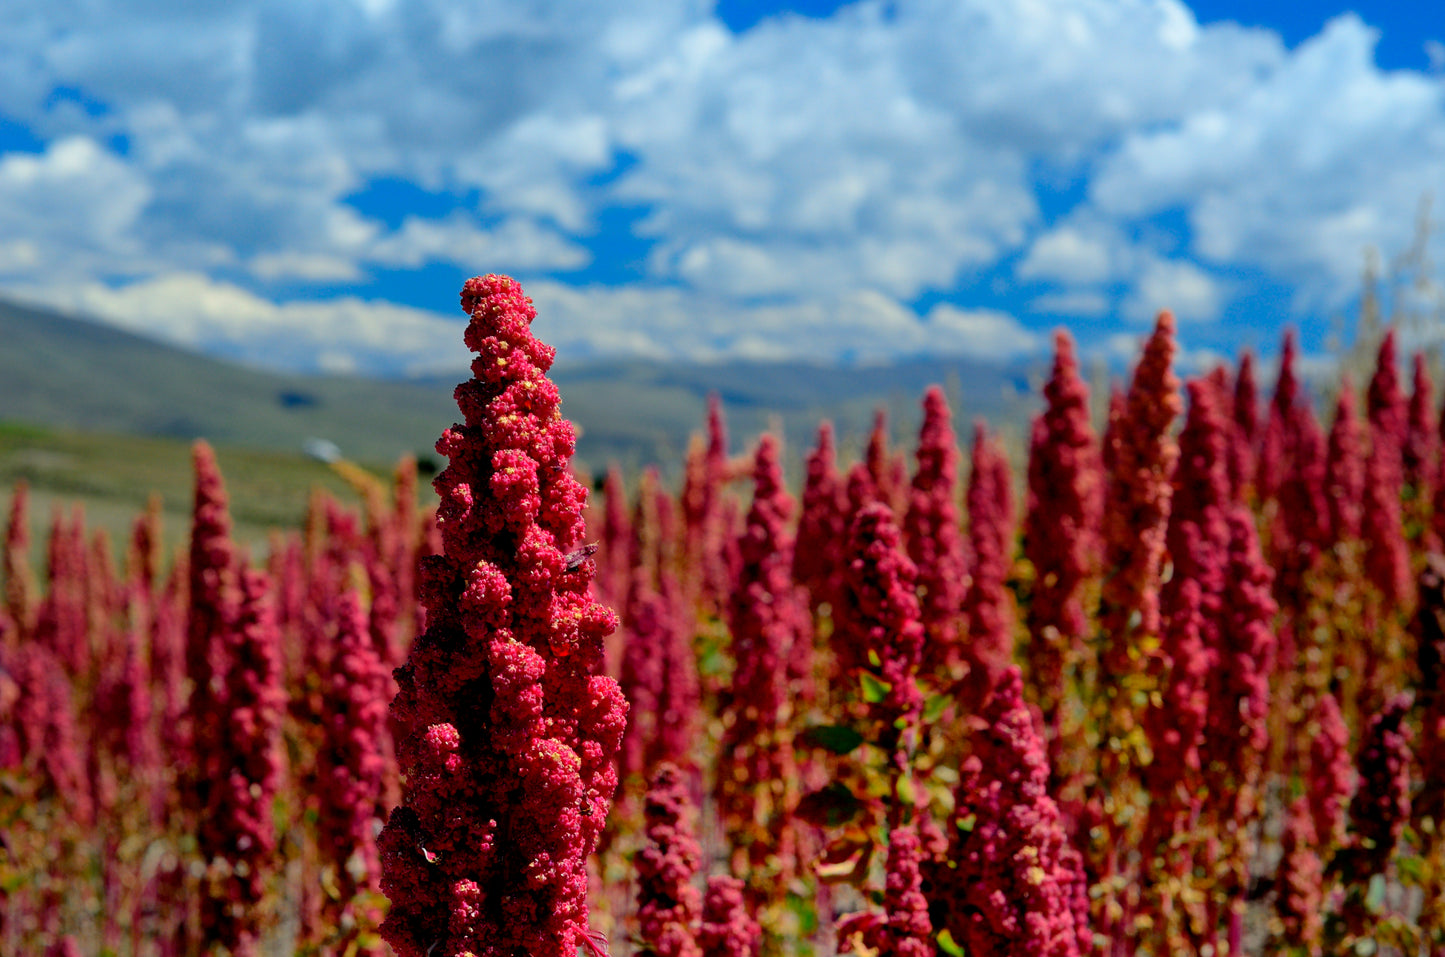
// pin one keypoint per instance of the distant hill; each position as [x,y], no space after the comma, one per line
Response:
[61,372]
[58,371]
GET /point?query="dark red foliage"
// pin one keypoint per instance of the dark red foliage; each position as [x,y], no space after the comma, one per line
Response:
[1381,807]
[1429,628]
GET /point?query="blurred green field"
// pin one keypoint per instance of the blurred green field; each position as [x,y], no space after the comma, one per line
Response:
[62,373]
[113,477]
[94,415]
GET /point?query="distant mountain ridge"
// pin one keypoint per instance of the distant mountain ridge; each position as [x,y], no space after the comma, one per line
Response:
[62,372]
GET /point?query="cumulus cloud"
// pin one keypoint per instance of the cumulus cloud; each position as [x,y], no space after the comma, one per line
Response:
[981,333]
[1181,287]
[854,327]
[1067,254]
[518,244]
[193,310]
[1077,303]
[1323,158]
[809,173]
[589,322]
[75,203]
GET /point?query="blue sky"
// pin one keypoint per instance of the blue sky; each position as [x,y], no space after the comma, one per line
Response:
[306,186]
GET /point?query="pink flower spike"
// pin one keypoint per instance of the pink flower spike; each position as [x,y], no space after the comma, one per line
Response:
[1010,883]
[727,929]
[931,529]
[507,729]
[669,907]
[1061,528]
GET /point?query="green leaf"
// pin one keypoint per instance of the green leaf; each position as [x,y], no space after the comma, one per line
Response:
[1375,896]
[934,707]
[1412,869]
[907,796]
[830,806]
[875,689]
[837,738]
[948,945]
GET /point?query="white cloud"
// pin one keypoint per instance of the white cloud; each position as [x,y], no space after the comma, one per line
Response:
[855,326]
[355,335]
[1324,157]
[832,167]
[1081,303]
[1180,287]
[74,203]
[192,310]
[1068,255]
[1435,50]
[518,244]
[981,333]
[313,267]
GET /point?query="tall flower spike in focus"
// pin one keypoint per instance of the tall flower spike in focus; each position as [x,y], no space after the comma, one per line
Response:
[507,728]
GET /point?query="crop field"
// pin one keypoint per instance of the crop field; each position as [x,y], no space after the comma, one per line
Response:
[1169,682]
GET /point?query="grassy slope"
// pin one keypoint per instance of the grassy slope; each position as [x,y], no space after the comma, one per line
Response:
[113,477]
[61,372]
[108,417]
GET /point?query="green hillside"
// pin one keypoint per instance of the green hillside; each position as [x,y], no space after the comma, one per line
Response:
[63,373]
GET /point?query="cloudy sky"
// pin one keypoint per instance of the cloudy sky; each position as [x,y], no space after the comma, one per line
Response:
[306,185]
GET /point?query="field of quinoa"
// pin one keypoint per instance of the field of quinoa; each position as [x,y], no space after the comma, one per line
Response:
[1178,688]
